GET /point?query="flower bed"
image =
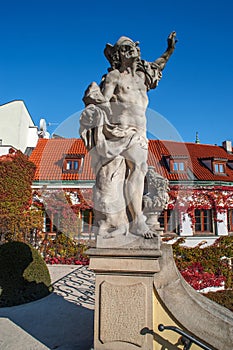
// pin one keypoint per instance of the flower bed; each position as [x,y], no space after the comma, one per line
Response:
[67,261]
[64,250]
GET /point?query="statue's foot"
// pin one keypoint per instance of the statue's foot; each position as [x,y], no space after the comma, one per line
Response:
[120,231]
[103,228]
[149,234]
[139,226]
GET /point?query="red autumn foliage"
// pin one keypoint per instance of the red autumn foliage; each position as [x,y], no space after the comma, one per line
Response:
[16,176]
[195,275]
[67,261]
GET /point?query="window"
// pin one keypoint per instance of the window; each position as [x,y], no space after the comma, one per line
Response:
[48,224]
[72,164]
[176,163]
[178,166]
[203,220]
[51,222]
[75,165]
[68,164]
[169,221]
[219,168]
[87,221]
[230,220]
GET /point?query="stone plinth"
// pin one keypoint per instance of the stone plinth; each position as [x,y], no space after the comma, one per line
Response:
[130,241]
[124,297]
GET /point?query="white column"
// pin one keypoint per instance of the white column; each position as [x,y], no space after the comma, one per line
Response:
[44,222]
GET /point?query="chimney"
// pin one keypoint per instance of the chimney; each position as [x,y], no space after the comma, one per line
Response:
[227,145]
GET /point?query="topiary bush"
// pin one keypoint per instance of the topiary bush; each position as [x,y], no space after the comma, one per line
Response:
[24,276]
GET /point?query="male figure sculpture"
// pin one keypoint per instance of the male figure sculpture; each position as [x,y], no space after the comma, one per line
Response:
[113,127]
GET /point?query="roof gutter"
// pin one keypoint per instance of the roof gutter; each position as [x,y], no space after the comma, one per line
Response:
[63,184]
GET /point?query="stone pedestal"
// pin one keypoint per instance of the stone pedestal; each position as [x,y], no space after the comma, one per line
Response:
[124,297]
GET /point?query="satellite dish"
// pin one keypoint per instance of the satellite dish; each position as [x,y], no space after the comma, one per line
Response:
[43,126]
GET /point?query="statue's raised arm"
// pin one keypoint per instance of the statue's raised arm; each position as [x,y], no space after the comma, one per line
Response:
[171,42]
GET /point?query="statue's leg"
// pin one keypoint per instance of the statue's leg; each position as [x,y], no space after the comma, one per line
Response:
[109,200]
[136,161]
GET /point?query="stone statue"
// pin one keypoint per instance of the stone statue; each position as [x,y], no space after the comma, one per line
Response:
[113,128]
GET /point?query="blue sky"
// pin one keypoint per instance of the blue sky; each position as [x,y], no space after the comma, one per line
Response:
[52,49]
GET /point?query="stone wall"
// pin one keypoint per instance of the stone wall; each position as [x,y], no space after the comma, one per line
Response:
[178,304]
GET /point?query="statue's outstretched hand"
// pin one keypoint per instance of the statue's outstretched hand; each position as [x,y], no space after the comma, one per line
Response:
[171,40]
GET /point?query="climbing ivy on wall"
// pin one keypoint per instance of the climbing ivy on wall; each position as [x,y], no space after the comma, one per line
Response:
[16,216]
[183,199]
[59,206]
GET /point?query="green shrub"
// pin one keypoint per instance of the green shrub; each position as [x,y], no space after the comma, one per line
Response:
[24,276]
[222,297]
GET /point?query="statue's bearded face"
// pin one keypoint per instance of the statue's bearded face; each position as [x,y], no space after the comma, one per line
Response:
[128,51]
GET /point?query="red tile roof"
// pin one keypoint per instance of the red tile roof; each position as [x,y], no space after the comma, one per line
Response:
[49,155]
[194,153]
[198,152]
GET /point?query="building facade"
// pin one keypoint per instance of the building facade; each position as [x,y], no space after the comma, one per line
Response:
[17,129]
[200,179]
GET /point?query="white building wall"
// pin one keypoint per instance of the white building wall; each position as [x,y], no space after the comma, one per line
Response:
[186,225]
[222,224]
[32,136]
[4,150]
[16,126]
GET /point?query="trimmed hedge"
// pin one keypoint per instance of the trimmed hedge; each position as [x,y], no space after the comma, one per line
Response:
[24,276]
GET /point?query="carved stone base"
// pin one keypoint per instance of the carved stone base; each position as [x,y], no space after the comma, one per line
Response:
[124,297]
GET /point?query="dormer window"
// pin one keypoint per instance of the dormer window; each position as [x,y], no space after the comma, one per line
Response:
[216,165]
[219,168]
[176,163]
[72,164]
[178,166]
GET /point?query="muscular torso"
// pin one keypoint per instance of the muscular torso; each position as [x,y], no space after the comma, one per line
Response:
[128,96]
[131,89]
